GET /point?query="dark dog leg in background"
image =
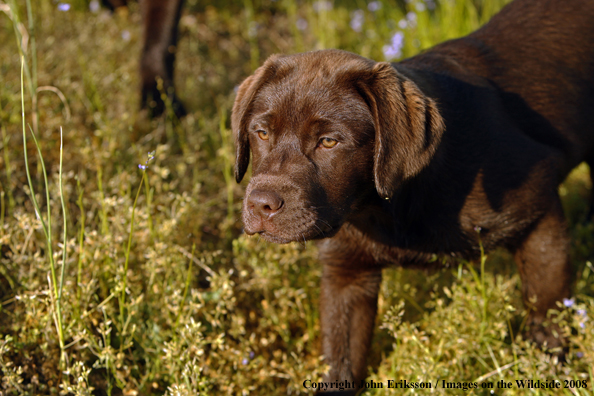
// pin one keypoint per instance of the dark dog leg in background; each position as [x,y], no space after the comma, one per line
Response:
[113,4]
[348,306]
[543,263]
[160,21]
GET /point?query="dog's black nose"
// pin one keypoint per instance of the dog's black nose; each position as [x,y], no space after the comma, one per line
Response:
[264,203]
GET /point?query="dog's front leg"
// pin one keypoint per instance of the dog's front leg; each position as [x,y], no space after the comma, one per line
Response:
[348,305]
[543,262]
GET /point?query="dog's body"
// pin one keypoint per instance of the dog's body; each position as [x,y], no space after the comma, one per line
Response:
[463,145]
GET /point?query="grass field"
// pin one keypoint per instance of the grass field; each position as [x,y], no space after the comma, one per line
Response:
[120,281]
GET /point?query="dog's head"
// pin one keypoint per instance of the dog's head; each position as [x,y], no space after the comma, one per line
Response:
[327,130]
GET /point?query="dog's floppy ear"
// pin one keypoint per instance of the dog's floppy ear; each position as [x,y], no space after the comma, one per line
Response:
[408,127]
[242,110]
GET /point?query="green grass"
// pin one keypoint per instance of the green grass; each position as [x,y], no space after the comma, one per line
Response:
[160,293]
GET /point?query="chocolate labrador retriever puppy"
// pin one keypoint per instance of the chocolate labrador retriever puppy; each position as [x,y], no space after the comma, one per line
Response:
[463,145]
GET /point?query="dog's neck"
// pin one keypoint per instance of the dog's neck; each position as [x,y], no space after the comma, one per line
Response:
[426,213]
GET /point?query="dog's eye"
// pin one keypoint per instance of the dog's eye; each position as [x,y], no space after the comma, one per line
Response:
[263,135]
[328,142]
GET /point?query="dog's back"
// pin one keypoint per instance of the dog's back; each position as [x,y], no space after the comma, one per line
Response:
[540,55]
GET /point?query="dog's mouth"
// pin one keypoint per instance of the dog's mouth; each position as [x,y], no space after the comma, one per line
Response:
[270,237]
[286,230]
[286,212]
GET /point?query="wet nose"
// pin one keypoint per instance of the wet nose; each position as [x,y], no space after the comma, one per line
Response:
[264,203]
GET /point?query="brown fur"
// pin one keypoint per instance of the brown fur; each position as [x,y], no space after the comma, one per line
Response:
[474,134]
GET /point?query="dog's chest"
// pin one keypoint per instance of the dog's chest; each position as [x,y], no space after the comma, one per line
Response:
[436,228]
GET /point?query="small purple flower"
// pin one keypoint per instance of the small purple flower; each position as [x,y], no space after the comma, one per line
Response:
[94,6]
[357,19]
[252,29]
[583,317]
[126,35]
[394,50]
[568,302]
[151,156]
[411,18]
[63,7]
[579,354]
[322,6]
[252,354]
[403,24]
[301,24]
[374,6]
[244,361]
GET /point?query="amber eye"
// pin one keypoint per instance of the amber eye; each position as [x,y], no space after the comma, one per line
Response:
[328,142]
[263,135]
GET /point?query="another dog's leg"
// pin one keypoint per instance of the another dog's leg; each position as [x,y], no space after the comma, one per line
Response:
[114,4]
[543,261]
[160,20]
[348,306]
